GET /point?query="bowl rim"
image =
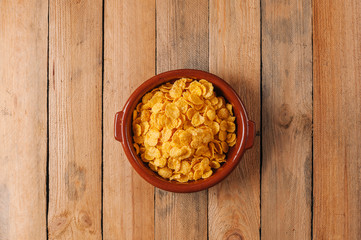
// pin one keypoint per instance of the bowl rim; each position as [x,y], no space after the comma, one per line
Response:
[245,127]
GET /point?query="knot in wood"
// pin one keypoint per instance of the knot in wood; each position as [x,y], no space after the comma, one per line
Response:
[58,224]
[285,116]
[83,220]
[234,235]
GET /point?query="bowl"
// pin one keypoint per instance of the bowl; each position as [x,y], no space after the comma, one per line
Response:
[245,131]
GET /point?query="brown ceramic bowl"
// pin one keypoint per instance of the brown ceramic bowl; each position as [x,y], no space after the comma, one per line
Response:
[245,131]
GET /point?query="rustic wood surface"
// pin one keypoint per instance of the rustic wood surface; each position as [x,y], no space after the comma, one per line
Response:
[286,119]
[234,204]
[66,67]
[337,120]
[129,58]
[75,119]
[182,42]
[23,120]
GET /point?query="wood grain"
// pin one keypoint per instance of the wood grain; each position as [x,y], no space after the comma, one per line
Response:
[23,119]
[234,204]
[182,42]
[337,119]
[75,131]
[129,60]
[286,119]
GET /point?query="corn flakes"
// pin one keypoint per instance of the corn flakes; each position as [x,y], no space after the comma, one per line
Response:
[182,130]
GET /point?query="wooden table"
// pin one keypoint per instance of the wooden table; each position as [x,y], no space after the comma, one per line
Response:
[66,67]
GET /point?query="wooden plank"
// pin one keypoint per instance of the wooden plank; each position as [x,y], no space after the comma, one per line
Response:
[75,131]
[337,114]
[234,204]
[23,119]
[182,42]
[286,119]
[129,60]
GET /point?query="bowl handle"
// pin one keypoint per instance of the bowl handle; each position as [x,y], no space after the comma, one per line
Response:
[251,134]
[117,126]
